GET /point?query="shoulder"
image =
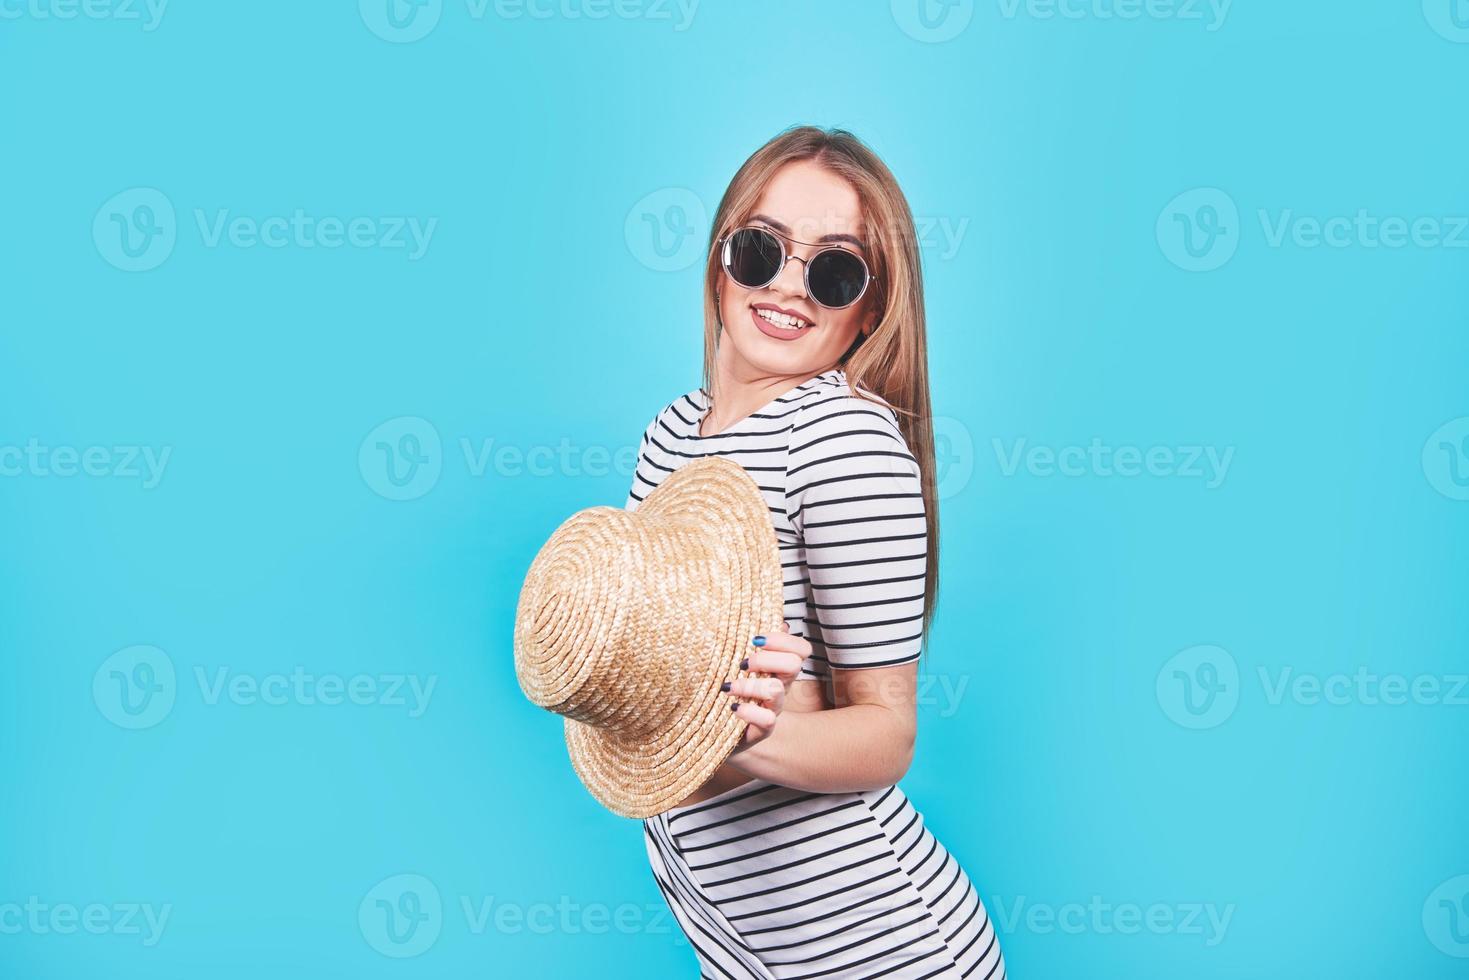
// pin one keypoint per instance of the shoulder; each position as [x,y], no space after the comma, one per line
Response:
[677,415]
[837,409]
[657,454]
[844,442]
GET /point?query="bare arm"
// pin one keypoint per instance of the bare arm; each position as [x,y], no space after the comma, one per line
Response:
[854,495]
[864,742]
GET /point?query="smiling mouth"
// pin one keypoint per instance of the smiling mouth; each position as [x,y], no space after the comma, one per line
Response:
[784,321]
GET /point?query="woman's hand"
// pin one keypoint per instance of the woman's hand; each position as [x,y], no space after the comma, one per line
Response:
[780,657]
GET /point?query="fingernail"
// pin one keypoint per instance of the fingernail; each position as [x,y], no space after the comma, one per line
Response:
[759,641]
[734,706]
[745,664]
[724,687]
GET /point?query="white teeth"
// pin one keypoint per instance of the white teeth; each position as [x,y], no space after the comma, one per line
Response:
[782,320]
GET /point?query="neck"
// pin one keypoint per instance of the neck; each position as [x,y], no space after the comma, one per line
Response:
[738,389]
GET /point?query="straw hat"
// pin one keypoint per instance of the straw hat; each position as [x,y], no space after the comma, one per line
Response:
[629,622]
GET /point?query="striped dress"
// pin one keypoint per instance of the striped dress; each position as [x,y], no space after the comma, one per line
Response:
[773,883]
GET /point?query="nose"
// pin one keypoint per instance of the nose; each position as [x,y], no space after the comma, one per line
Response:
[792,278]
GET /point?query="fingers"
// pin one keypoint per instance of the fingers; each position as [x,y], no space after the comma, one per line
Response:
[756,714]
[768,689]
[786,666]
[778,655]
[785,643]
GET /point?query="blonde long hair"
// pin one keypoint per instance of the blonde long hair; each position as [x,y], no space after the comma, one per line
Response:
[891,361]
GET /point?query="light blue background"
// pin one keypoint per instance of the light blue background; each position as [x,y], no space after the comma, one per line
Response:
[544,309]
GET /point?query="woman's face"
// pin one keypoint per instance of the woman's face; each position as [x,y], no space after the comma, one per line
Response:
[808,203]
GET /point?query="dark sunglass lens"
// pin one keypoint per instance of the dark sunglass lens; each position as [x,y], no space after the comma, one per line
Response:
[837,278]
[753,257]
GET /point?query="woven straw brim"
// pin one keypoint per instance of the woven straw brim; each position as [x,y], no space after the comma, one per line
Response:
[643,776]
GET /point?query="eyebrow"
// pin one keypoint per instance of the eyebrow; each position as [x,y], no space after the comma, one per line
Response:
[784,230]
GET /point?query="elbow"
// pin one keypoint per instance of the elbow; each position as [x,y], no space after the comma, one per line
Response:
[904,742]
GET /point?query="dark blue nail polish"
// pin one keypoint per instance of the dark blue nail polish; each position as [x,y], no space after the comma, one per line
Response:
[759,641]
[724,687]
[734,706]
[745,664]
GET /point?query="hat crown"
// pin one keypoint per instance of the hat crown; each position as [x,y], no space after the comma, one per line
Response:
[630,619]
[603,632]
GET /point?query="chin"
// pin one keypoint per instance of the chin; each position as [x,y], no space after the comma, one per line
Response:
[782,361]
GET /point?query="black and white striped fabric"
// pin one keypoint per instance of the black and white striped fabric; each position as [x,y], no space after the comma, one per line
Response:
[845,498]
[773,883]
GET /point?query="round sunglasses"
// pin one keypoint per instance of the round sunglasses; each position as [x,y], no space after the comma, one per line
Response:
[753,256]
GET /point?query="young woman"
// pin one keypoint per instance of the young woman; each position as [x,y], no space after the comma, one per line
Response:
[801,858]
